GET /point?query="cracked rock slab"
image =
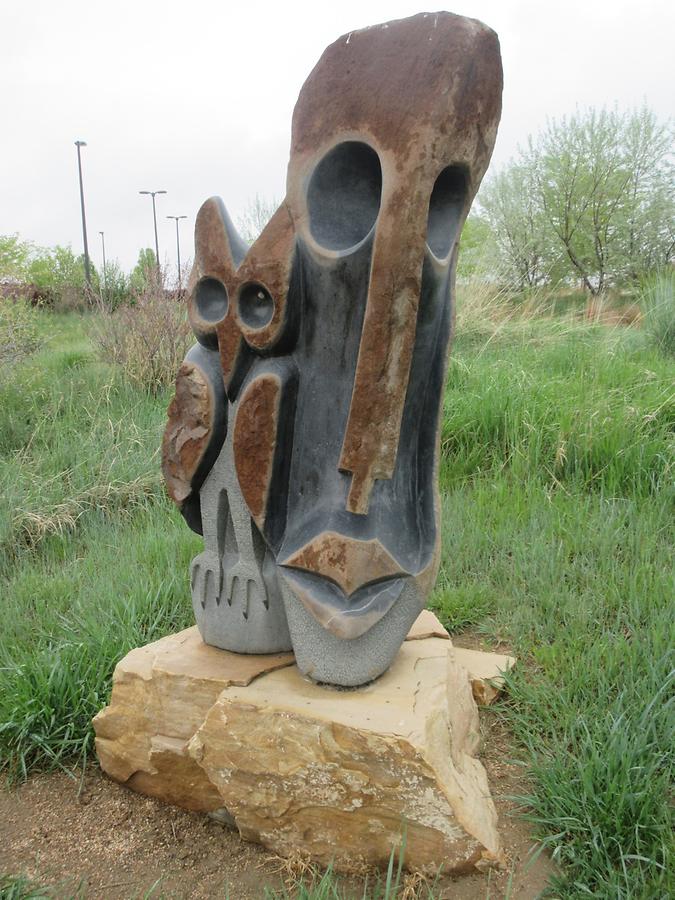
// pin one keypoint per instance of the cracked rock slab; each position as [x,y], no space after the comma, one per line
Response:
[342,776]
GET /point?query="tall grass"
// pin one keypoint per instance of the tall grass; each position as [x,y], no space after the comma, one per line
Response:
[577,408]
[557,466]
[658,301]
[73,436]
[92,558]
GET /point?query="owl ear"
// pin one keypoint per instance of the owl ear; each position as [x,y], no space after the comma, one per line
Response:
[219,250]
[266,318]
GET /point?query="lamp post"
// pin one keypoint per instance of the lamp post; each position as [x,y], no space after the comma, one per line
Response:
[105,275]
[87,270]
[176,219]
[153,194]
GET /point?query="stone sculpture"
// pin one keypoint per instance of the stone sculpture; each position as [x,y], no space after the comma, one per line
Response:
[303,439]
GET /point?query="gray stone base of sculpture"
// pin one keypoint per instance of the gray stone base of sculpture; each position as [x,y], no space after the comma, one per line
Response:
[235,591]
[326,658]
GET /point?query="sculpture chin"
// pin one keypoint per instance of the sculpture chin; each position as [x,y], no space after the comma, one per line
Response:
[345,616]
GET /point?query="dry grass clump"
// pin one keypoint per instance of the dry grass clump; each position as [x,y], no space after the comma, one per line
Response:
[487,303]
[31,527]
[147,339]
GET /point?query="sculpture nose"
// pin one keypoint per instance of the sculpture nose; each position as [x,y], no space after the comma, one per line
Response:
[346,561]
[346,584]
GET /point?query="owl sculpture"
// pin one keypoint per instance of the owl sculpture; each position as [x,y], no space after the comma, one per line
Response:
[303,438]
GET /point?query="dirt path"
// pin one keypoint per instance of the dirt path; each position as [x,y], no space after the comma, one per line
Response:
[93,835]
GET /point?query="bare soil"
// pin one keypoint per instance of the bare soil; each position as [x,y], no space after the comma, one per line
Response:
[87,836]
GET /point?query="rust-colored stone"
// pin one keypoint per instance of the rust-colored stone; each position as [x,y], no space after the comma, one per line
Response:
[269,263]
[187,432]
[423,113]
[255,431]
[348,562]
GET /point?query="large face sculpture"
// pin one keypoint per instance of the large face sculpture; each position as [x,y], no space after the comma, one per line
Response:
[303,437]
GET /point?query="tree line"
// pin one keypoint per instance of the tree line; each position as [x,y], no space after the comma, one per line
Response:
[55,275]
[590,200]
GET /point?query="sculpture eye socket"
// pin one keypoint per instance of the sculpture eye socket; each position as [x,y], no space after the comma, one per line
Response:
[445,210]
[256,306]
[211,299]
[343,198]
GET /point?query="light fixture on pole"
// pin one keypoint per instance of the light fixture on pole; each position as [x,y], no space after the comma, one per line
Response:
[105,276]
[153,194]
[176,219]
[87,270]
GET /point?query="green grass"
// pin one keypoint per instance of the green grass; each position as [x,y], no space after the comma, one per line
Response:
[557,480]
[19,888]
[658,302]
[558,539]
[93,560]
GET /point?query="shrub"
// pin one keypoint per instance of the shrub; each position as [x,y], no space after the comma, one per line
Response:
[658,300]
[114,287]
[59,274]
[147,338]
[18,331]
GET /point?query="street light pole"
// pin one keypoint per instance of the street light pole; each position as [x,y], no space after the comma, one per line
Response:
[105,275]
[176,218]
[153,194]
[87,270]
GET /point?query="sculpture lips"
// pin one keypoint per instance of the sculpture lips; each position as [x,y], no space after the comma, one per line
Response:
[346,617]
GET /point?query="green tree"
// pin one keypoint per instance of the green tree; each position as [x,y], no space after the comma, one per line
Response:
[144,274]
[15,255]
[115,286]
[591,198]
[599,177]
[648,233]
[525,252]
[476,247]
[58,269]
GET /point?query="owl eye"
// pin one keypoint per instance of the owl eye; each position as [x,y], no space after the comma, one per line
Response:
[211,299]
[256,306]
[343,198]
[445,210]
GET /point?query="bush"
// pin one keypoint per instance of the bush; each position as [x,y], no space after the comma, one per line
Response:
[658,300]
[18,331]
[59,274]
[114,288]
[147,339]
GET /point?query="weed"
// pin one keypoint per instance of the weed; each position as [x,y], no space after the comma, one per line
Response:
[19,888]
[146,339]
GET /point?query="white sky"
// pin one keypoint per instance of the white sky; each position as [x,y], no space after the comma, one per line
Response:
[195,97]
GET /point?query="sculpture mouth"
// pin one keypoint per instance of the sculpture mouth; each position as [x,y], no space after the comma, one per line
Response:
[345,616]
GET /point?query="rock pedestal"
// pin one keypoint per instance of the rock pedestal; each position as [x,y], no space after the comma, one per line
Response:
[342,776]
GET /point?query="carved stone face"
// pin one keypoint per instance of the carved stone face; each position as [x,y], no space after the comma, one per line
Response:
[320,369]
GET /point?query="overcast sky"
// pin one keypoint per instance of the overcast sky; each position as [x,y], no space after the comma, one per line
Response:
[196,97]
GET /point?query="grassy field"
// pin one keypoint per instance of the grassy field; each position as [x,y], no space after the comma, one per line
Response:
[557,480]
